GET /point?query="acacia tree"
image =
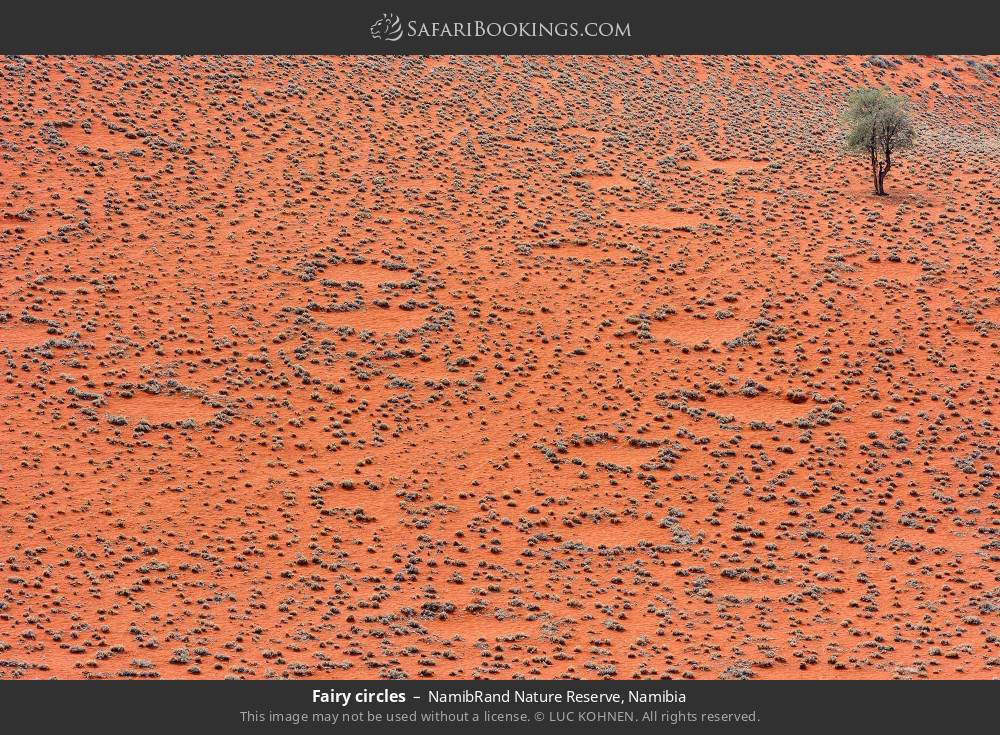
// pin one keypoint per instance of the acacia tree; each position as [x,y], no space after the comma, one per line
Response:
[880,125]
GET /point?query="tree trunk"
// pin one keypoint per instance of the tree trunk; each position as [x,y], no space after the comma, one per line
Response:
[884,171]
[872,147]
[871,150]
[880,180]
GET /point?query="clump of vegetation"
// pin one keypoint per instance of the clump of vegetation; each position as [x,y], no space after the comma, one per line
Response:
[880,125]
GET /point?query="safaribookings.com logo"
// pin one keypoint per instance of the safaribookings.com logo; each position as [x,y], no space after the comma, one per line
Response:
[387,28]
[390,28]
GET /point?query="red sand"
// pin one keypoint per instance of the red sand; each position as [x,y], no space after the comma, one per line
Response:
[482,367]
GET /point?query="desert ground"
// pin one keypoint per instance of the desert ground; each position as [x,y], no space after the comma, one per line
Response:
[496,367]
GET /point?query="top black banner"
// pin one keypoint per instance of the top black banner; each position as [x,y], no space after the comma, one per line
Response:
[400,27]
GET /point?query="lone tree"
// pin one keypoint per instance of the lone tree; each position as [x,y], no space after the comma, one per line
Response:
[880,125]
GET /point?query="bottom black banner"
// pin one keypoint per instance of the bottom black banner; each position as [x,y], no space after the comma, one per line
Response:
[516,706]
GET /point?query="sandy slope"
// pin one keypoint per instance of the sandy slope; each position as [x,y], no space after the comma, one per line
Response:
[482,367]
